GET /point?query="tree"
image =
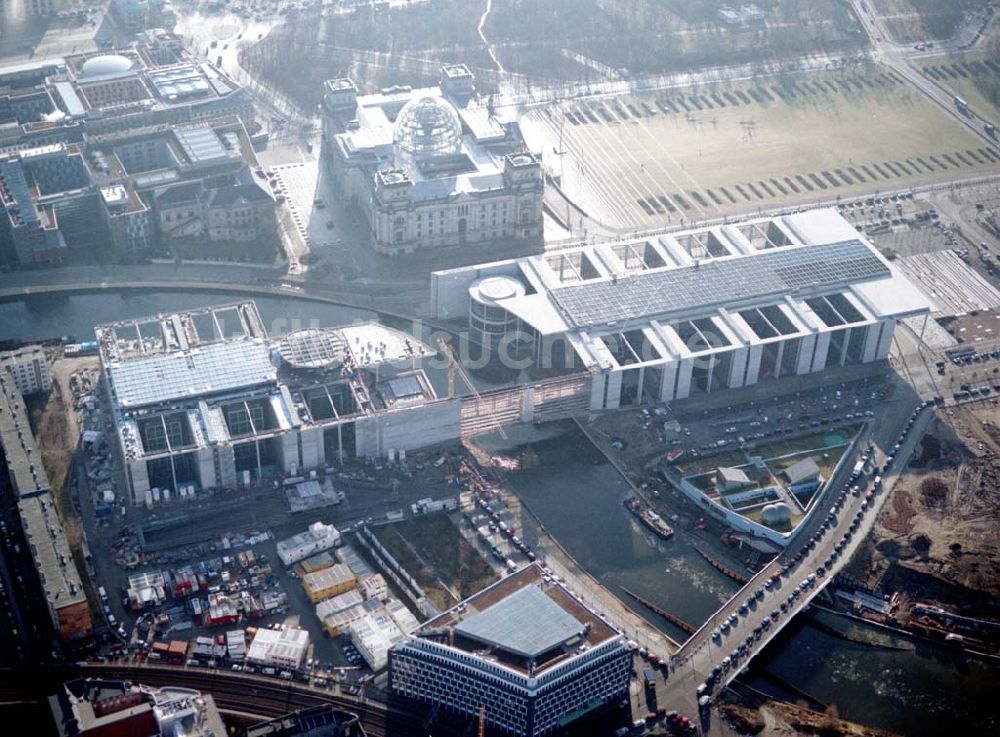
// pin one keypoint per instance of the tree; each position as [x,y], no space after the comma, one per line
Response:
[933,491]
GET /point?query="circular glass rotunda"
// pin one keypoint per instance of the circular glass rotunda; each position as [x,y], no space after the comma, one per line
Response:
[427,127]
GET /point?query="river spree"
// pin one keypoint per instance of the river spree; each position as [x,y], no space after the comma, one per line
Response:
[919,690]
[52,316]
[916,691]
[578,495]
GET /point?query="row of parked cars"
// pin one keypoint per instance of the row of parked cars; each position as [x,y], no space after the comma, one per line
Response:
[808,582]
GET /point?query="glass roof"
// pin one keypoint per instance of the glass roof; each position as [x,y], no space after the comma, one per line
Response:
[527,623]
[723,281]
[205,370]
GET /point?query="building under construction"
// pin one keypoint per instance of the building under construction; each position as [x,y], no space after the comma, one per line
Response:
[205,399]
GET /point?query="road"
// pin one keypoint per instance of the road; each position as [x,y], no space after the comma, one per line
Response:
[395,298]
[893,56]
[700,654]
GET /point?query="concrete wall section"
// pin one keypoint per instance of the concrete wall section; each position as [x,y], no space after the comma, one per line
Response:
[669,379]
[614,390]
[886,342]
[227,466]
[753,367]
[408,429]
[737,371]
[822,349]
[290,453]
[597,389]
[684,368]
[140,480]
[206,468]
[310,447]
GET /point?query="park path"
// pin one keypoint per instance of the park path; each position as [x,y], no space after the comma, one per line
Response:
[480,28]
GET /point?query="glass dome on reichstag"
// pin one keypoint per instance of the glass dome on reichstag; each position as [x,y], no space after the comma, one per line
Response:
[426,127]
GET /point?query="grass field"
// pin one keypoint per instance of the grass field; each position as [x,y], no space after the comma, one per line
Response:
[912,21]
[699,153]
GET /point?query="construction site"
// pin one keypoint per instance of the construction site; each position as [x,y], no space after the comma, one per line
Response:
[933,555]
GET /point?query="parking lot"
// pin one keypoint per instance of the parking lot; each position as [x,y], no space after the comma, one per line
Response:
[318,229]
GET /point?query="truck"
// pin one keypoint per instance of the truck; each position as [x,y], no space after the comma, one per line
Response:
[858,469]
[962,105]
[649,679]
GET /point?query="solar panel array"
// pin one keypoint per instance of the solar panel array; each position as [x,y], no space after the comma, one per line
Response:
[209,369]
[732,280]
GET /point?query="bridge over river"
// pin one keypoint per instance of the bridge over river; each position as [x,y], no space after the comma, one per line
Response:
[796,585]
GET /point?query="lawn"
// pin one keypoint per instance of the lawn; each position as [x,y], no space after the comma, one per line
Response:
[706,151]
[802,443]
[969,76]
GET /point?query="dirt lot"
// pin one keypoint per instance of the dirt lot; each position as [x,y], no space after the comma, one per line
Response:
[775,719]
[56,429]
[936,539]
[443,562]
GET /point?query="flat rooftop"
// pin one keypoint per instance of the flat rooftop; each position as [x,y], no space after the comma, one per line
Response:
[28,477]
[630,284]
[166,358]
[36,507]
[523,621]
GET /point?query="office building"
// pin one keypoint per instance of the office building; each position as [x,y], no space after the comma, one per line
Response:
[668,317]
[525,649]
[29,368]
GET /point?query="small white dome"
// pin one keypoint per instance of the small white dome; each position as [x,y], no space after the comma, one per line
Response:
[490,289]
[428,126]
[776,514]
[105,64]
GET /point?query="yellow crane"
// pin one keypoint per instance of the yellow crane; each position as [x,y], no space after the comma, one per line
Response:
[455,367]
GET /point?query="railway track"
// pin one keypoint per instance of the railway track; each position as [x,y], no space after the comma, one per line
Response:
[263,697]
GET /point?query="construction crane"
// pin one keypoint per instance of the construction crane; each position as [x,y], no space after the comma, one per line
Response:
[453,367]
